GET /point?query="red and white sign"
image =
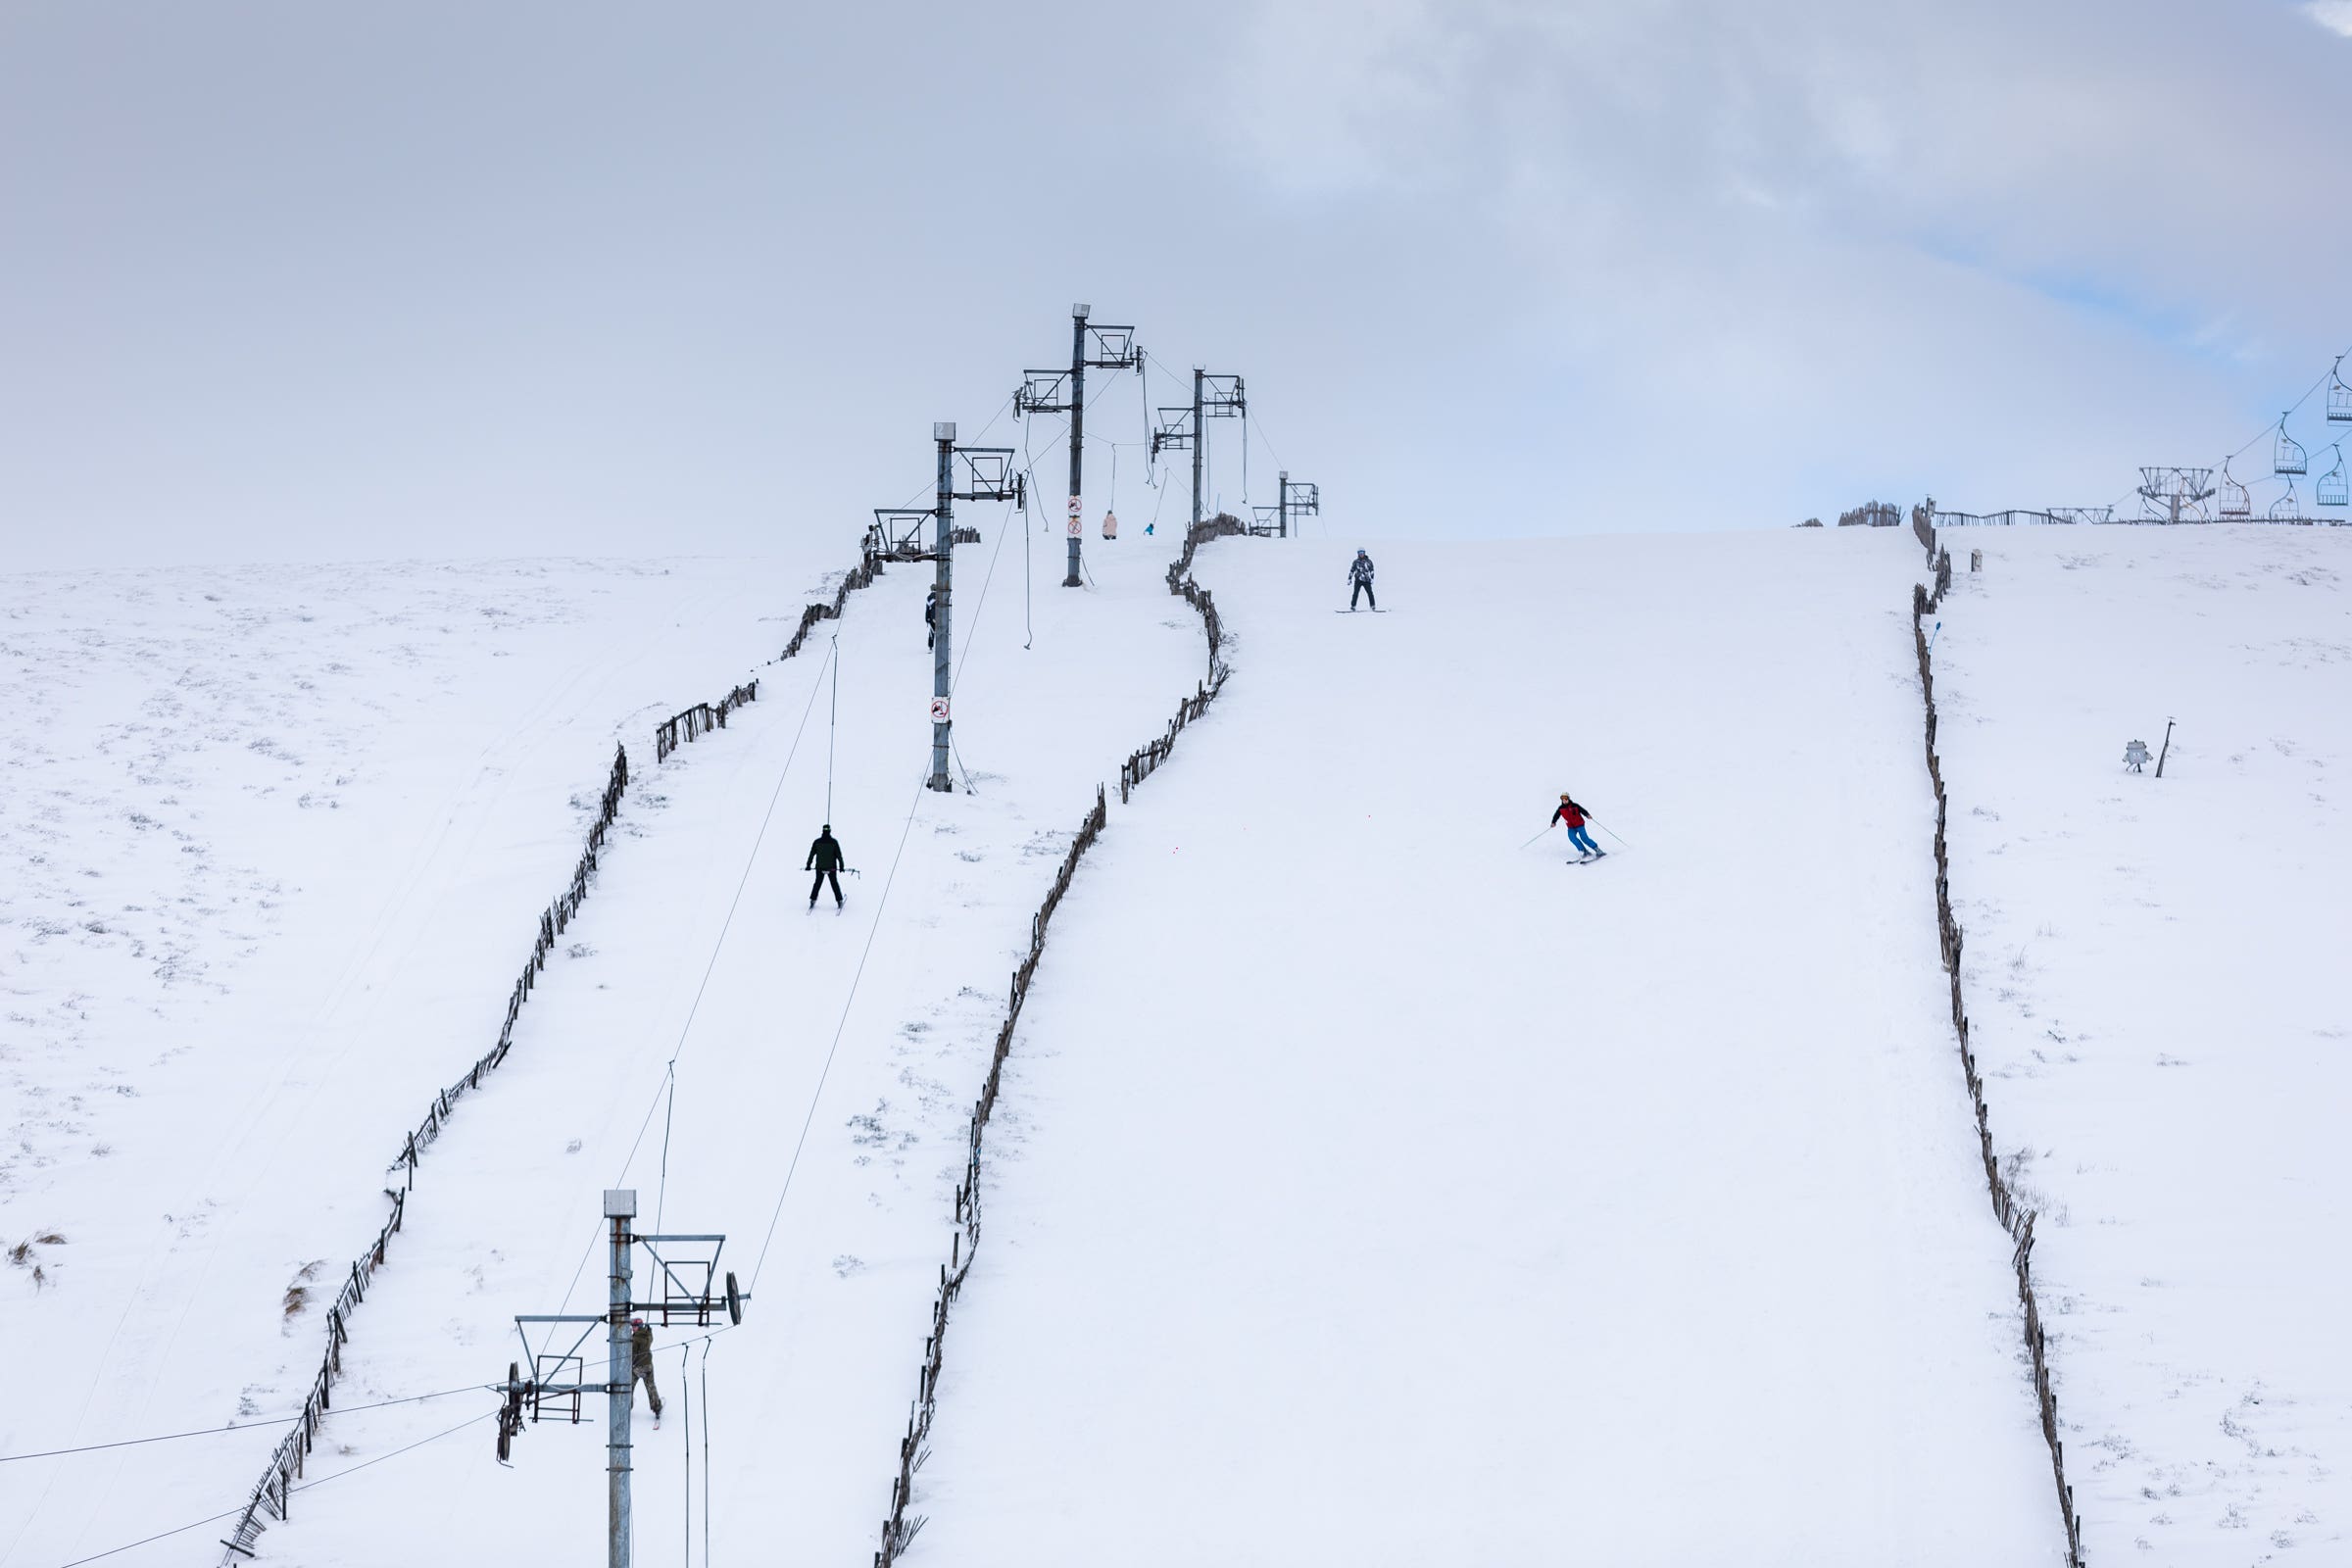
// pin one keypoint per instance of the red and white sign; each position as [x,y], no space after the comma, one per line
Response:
[1076,506]
[939,709]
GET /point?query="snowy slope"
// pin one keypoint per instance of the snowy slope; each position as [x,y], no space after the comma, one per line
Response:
[869,1028]
[1370,1189]
[2156,982]
[273,844]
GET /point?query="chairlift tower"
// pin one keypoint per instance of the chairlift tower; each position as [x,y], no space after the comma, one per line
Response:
[1291,499]
[1213,396]
[989,475]
[1297,501]
[1096,348]
[2173,495]
[692,1291]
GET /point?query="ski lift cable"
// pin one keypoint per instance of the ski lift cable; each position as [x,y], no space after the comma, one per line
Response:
[849,1002]
[250,1425]
[231,1513]
[2269,430]
[2280,425]
[890,879]
[668,1086]
[661,1189]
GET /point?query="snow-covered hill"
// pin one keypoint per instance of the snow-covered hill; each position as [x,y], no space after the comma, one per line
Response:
[2158,992]
[1368,1184]
[1372,1187]
[273,844]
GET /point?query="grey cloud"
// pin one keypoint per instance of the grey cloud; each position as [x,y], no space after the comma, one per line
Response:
[444,278]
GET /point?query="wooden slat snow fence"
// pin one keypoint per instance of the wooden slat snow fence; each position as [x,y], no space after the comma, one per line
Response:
[2015,1217]
[901,1526]
[277,1483]
[701,719]
[270,1495]
[1142,763]
[870,567]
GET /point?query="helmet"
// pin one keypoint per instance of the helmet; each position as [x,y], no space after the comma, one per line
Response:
[828,827]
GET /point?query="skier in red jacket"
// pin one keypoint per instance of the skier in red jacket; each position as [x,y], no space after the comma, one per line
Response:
[1574,816]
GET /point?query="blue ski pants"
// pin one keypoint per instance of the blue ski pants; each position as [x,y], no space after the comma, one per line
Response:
[1582,840]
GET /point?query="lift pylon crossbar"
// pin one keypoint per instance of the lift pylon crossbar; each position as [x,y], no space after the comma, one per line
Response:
[989,470]
[1174,432]
[681,1293]
[899,531]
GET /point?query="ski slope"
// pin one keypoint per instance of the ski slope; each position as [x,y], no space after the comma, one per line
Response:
[2156,983]
[869,1028]
[1369,1187]
[273,844]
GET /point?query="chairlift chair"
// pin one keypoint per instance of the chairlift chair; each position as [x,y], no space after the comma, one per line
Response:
[2286,509]
[2235,501]
[2339,395]
[2335,491]
[2288,454]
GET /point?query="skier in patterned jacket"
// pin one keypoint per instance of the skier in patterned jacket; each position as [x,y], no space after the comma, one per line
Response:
[1359,578]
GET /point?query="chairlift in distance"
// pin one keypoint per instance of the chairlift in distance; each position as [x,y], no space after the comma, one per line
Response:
[2235,501]
[2288,454]
[2339,395]
[2334,490]
[2286,509]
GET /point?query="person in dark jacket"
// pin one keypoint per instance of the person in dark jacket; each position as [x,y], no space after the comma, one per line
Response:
[931,619]
[1359,578]
[825,859]
[1574,816]
[641,1364]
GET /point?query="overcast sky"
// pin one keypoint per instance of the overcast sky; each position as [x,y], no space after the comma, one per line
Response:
[345,281]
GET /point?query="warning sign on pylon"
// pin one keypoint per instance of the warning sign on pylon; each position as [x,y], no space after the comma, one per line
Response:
[939,709]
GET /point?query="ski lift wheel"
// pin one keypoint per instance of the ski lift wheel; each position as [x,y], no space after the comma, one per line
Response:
[734,1302]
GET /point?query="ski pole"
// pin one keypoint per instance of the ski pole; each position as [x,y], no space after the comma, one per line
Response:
[1547,829]
[1611,832]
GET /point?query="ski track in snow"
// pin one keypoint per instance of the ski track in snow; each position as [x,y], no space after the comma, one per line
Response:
[2156,981]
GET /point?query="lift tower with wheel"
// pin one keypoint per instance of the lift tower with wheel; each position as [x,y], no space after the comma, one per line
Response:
[1091,348]
[692,1291]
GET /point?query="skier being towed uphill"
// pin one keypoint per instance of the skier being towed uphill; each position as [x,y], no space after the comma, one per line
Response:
[1574,816]
[826,861]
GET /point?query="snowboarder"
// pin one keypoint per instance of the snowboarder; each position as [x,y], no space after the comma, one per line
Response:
[1148,527]
[2136,754]
[1574,816]
[641,1365]
[1360,577]
[1111,526]
[931,619]
[825,859]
